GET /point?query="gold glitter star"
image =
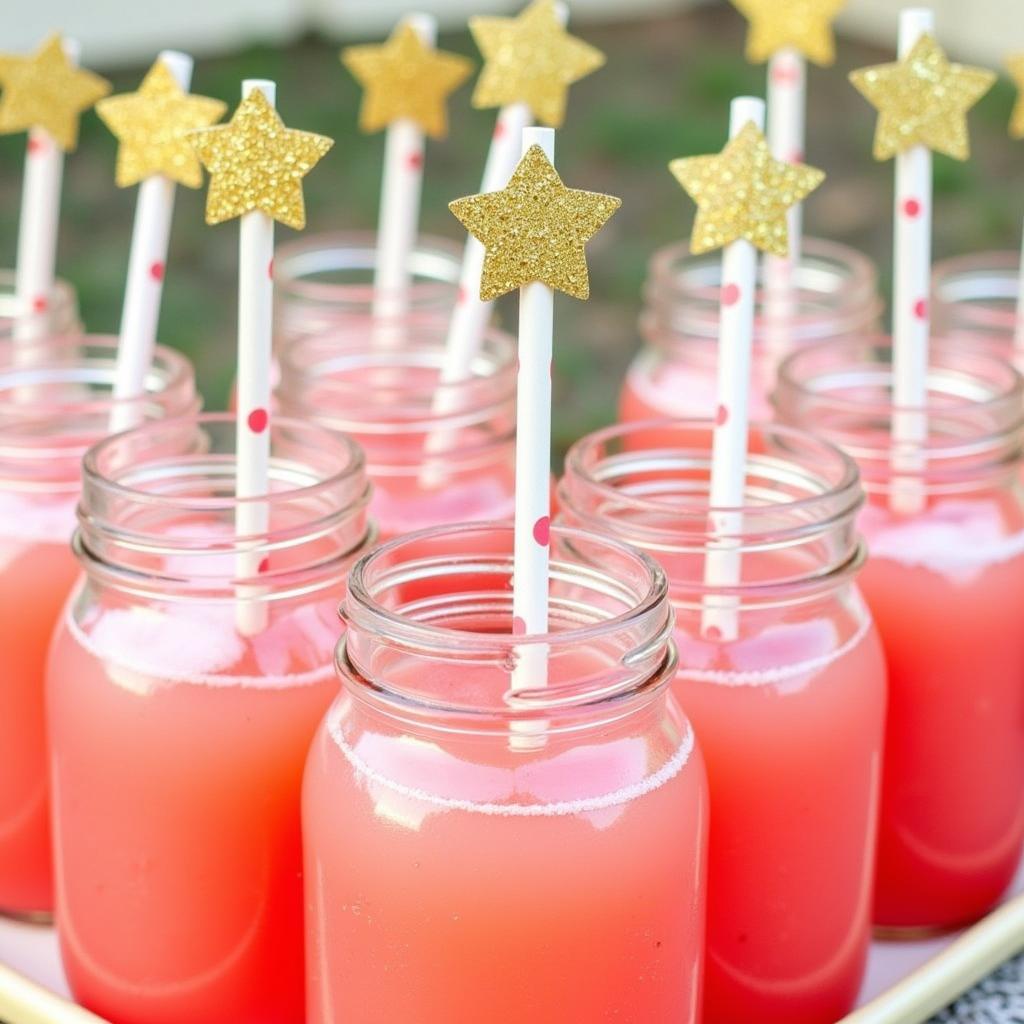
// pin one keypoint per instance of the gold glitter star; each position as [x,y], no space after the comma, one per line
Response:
[256,163]
[744,192]
[534,229]
[152,128]
[1016,66]
[530,59]
[47,91]
[922,100]
[405,78]
[806,25]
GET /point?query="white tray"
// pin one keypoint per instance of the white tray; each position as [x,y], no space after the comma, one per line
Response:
[32,951]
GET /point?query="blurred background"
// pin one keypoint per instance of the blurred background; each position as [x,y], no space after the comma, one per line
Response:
[672,68]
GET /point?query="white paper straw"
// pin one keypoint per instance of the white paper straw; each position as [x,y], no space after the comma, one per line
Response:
[533,463]
[936,984]
[154,208]
[729,441]
[787,108]
[255,317]
[37,235]
[401,189]
[911,285]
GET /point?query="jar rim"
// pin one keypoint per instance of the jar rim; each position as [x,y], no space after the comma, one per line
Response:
[61,359]
[361,608]
[96,479]
[980,312]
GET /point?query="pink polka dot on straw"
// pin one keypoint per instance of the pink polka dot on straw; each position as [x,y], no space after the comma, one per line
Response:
[542,531]
[36,145]
[797,156]
[730,294]
[270,270]
[258,420]
[462,296]
[415,161]
[921,309]
[519,626]
[499,129]
[721,416]
[784,74]
[263,566]
[40,303]
[156,271]
[911,207]
[713,633]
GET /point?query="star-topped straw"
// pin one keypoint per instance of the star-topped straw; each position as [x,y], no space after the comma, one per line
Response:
[155,152]
[407,83]
[533,232]
[530,61]
[44,94]
[787,33]
[256,167]
[742,196]
[922,102]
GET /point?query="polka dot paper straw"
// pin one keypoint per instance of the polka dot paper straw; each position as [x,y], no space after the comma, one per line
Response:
[729,441]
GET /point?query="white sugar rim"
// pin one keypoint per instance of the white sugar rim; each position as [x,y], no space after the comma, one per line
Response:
[296,679]
[669,770]
[766,676]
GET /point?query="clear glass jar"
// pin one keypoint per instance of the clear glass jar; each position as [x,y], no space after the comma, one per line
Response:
[946,586]
[58,315]
[178,738]
[475,854]
[50,412]
[435,453]
[675,372]
[322,282]
[977,295]
[788,711]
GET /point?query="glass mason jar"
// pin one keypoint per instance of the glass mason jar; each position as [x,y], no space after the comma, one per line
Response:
[50,412]
[435,453]
[977,295]
[675,372]
[945,582]
[179,734]
[474,853]
[322,282]
[788,703]
[57,315]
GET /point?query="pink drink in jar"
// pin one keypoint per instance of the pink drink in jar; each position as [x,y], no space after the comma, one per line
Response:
[836,294]
[945,581]
[51,409]
[179,737]
[473,854]
[435,453]
[788,703]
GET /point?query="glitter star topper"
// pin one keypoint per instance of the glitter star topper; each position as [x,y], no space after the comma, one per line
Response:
[922,100]
[152,127]
[805,25]
[744,192]
[1016,67]
[405,78]
[530,59]
[47,91]
[256,163]
[534,229]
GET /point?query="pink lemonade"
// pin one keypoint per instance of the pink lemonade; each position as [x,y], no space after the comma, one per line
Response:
[945,583]
[947,591]
[435,453]
[464,865]
[50,413]
[786,696]
[179,730]
[35,580]
[178,755]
